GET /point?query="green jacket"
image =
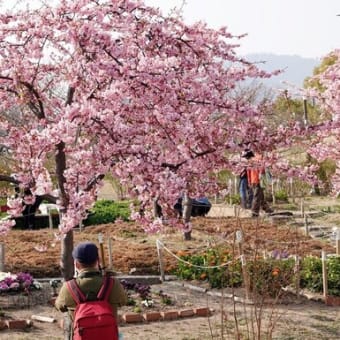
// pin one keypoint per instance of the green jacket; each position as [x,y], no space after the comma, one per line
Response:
[90,286]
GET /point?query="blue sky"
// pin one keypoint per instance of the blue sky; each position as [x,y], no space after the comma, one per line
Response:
[308,28]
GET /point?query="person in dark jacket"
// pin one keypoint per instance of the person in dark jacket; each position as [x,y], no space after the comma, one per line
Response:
[257,178]
[246,192]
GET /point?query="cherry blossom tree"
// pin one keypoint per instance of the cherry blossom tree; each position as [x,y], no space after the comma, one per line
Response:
[325,90]
[91,87]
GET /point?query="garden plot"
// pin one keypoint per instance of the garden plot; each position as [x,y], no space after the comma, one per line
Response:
[37,253]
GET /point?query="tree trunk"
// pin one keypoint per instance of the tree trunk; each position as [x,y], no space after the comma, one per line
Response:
[186,215]
[66,261]
[157,209]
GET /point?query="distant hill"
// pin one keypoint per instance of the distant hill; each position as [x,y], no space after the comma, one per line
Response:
[296,68]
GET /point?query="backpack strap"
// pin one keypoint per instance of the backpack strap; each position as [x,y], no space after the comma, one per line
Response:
[75,291]
[106,288]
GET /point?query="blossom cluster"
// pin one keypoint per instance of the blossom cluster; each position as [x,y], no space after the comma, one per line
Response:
[21,282]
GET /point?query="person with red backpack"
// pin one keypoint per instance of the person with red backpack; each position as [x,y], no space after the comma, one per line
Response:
[90,301]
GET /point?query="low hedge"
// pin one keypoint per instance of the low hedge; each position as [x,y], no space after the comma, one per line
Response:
[107,211]
[266,277]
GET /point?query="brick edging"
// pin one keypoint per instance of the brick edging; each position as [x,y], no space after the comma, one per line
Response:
[168,315]
[127,318]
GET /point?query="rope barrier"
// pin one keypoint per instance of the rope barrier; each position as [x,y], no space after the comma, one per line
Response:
[191,264]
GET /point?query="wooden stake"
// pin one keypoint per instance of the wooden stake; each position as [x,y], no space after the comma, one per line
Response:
[324,274]
[291,181]
[2,257]
[101,248]
[337,241]
[297,276]
[160,260]
[302,205]
[109,245]
[306,225]
[230,192]
[50,221]
[273,193]
[245,275]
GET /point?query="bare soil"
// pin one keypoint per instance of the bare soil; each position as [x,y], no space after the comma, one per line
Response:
[38,253]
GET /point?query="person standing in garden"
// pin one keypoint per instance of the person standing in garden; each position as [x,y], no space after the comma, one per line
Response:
[246,193]
[91,284]
[258,177]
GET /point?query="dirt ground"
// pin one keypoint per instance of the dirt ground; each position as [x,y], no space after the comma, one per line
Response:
[37,252]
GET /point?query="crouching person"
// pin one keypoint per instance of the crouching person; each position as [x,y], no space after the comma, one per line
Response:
[90,301]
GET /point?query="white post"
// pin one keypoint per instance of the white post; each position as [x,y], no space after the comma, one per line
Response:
[50,221]
[236,211]
[291,181]
[302,207]
[235,185]
[306,225]
[245,275]
[297,277]
[324,274]
[110,253]
[2,257]
[337,241]
[160,259]
[230,191]
[273,192]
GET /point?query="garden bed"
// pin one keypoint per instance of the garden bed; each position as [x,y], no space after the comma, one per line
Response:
[38,253]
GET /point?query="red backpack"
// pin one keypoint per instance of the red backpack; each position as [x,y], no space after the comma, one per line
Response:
[93,320]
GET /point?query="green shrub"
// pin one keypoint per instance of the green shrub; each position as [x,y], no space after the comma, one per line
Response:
[281,195]
[267,277]
[311,274]
[233,199]
[107,211]
[195,268]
